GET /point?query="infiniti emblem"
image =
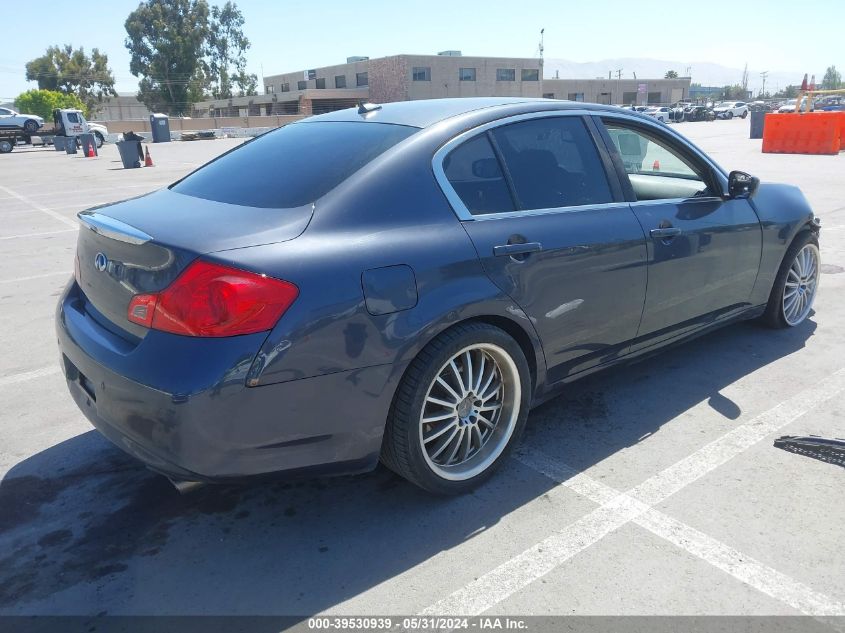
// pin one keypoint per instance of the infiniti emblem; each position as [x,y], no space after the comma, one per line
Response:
[101,262]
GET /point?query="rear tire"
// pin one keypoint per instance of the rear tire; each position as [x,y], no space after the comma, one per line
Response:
[99,139]
[745,114]
[472,383]
[796,284]
[30,126]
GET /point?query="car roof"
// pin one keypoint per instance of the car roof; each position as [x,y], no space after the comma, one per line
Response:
[427,112]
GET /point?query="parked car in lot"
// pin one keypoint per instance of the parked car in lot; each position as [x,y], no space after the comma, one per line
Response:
[730,109]
[789,105]
[699,113]
[659,113]
[403,282]
[11,120]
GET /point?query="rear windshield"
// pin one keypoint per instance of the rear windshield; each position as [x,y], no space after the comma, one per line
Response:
[294,165]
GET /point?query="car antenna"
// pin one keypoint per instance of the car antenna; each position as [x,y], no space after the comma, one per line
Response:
[367,107]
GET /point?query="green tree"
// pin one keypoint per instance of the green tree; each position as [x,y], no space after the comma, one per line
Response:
[167,43]
[670,74]
[227,46]
[70,71]
[832,79]
[43,102]
[790,92]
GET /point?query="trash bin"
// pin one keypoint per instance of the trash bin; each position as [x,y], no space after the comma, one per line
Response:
[70,144]
[59,143]
[758,119]
[88,141]
[130,152]
[160,128]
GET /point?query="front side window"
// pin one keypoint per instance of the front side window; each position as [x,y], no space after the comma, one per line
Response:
[72,117]
[505,74]
[466,74]
[656,170]
[553,162]
[292,166]
[476,176]
[530,74]
[421,73]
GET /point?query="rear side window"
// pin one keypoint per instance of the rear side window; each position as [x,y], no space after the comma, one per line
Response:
[292,166]
[553,162]
[474,173]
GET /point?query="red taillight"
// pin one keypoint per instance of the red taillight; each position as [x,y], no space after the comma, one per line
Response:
[213,300]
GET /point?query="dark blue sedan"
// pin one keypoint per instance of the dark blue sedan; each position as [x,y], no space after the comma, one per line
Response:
[403,282]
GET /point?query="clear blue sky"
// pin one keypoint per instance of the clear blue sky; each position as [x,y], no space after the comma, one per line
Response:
[294,35]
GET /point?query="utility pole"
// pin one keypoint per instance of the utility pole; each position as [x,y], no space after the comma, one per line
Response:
[764,74]
[618,84]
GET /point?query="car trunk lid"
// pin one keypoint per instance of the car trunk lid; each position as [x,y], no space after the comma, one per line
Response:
[142,245]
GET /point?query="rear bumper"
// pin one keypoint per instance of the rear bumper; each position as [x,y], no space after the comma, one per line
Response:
[328,424]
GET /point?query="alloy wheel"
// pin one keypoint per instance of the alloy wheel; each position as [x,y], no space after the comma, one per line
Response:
[802,282]
[470,410]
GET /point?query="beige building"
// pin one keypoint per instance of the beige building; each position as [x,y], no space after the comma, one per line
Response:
[123,107]
[619,91]
[394,78]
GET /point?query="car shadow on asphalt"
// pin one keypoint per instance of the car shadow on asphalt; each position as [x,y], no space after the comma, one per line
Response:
[85,529]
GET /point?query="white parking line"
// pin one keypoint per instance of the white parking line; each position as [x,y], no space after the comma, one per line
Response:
[31,277]
[739,565]
[617,509]
[14,237]
[39,207]
[29,375]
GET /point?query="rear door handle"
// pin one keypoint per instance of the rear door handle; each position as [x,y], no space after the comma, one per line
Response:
[665,233]
[517,249]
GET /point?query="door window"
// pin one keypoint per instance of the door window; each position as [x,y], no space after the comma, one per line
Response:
[474,173]
[655,169]
[552,163]
[4,112]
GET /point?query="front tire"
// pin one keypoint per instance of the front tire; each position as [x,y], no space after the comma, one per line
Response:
[30,126]
[796,284]
[729,115]
[459,409]
[744,114]
[99,139]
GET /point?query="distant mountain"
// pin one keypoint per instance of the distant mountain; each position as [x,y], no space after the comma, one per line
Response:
[704,73]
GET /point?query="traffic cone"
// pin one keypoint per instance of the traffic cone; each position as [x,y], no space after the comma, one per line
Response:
[148,162]
[804,83]
[91,153]
[656,166]
[813,83]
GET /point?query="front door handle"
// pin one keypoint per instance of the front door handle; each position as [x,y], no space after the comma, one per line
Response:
[667,232]
[517,249]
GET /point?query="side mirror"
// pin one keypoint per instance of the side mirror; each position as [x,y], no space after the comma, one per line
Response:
[742,185]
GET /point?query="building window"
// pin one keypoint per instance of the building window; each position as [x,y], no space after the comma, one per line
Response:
[268,90]
[301,84]
[466,74]
[340,81]
[285,88]
[548,95]
[530,74]
[576,96]
[361,79]
[655,97]
[505,74]
[421,73]
[321,83]
[629,97]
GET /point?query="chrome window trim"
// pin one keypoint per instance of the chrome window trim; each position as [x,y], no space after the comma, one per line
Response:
[482,217]
[454,199]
